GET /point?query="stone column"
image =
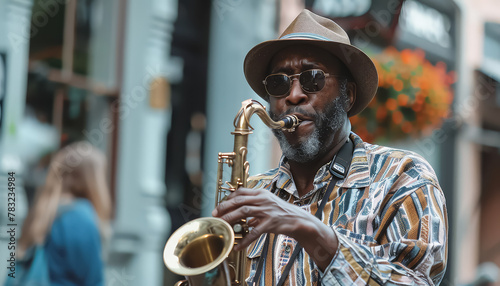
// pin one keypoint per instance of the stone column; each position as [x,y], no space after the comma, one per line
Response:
[236,26]
[141,220]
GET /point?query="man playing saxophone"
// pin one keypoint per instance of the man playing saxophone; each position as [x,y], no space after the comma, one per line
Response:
[379,217]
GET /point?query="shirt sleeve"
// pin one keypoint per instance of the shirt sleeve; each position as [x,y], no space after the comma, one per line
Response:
[411,246]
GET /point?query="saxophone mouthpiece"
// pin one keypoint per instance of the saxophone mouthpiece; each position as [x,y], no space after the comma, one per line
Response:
[290,122]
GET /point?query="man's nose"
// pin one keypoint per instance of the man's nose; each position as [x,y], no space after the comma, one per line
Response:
[297,95]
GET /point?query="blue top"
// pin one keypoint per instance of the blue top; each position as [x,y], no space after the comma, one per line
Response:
[73,247]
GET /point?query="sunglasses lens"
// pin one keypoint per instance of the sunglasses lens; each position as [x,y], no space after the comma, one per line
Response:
[312,80]
[277,84]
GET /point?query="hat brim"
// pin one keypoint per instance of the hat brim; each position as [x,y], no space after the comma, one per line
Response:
[361,67]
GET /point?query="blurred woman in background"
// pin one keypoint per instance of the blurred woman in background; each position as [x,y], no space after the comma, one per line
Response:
[70,216]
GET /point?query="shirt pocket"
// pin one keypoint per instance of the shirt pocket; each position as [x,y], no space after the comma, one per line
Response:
[254,251]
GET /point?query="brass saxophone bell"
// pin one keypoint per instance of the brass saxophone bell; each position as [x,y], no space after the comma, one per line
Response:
[198,250]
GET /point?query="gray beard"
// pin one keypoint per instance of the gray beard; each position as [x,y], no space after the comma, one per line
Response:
[327,123]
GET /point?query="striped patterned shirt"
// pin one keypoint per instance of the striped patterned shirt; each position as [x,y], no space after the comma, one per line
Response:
[389,215]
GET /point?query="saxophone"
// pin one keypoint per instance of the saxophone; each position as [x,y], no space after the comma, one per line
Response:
[201,250]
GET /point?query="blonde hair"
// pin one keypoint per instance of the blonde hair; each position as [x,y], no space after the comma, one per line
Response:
[90,164]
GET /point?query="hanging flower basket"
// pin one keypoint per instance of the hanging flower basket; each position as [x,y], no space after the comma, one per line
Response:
[412,100]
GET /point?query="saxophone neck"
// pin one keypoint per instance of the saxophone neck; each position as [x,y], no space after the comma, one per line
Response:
[250,107]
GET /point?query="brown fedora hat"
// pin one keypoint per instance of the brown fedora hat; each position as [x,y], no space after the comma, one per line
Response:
[311,29]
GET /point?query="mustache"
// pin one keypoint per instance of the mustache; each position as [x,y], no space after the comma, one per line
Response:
[294,110]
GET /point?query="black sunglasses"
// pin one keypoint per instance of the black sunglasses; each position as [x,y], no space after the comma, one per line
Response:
[279,84]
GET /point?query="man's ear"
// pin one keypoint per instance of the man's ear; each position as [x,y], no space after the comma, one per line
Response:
[351,93]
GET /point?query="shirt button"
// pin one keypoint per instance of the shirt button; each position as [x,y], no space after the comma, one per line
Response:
[283,195]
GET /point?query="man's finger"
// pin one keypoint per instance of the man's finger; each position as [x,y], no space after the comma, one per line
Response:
[240,213]
[255,233]
[246,192]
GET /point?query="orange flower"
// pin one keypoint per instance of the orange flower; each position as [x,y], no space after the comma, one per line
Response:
[397,117]
[403,99]
[406,127]
[398,85]
[406,56]
[381,113]
[391,104]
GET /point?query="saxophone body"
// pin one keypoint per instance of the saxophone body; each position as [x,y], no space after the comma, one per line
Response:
[201,250]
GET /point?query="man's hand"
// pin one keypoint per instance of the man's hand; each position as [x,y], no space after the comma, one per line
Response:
[270,214]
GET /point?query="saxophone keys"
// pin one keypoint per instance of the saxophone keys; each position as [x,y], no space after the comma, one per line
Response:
[237,228]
